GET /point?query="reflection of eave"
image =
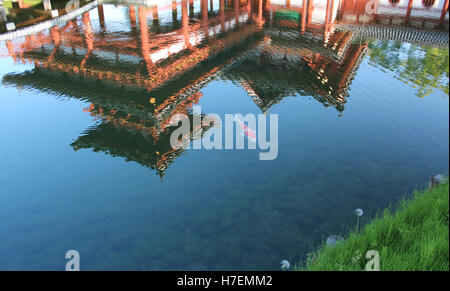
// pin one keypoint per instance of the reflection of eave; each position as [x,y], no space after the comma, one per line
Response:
[327,80]
[336,49]
[135,143]
[398,33]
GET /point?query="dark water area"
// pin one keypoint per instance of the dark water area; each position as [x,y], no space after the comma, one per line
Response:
[85,156]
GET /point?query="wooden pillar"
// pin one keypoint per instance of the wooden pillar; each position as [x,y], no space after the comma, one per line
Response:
[132,15]
[191,8]
[88,32]
[56,35]
[204,9]
[443,13]
[145,43]
[174,11]
[155,15]
[101,17]
[331,22]
[88,37]
[327,22]
[47,5]
[303,24]
[3,14]
[10,47]
[260,10]
[185,23]
[310,11]
[222,14]
[236,11]
[408,11]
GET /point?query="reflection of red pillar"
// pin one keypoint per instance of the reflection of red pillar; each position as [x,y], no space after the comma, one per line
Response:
[204,8]
[155,12]
[191,8]
[88,32]
[236,10]
[444,11]
[331,21]
[185,23]
[341,9]
[327,22]
[88,36]
[101,17]
[56,38]
[310,10]
[23,5]
[56,35]
[408,11]
[174,11]
[260,6]
[132,12]
[10,47]
[145,43]
[222,14]
[303,27]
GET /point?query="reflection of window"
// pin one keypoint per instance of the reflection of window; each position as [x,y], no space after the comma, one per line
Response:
[428,3]
[395,2]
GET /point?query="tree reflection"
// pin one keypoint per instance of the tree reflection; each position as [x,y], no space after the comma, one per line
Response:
[425,68]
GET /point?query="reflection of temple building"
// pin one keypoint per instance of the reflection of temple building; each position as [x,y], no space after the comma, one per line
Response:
[134,84]
[138,76]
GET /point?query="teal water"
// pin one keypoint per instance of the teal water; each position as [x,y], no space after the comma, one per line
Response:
[71,180]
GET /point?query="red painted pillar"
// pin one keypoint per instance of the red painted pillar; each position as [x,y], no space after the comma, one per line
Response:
[444,11]
[408,11]
[101,17]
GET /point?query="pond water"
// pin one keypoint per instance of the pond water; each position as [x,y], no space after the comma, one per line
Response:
[86,162]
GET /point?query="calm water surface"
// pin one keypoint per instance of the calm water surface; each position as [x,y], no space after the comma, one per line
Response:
[85,158]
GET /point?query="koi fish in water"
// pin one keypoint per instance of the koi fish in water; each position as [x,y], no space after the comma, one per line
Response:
[245,130]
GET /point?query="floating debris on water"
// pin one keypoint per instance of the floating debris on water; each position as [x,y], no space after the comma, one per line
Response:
[285,265]
[334,239]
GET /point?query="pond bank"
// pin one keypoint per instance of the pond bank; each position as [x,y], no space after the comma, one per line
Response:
[414,237]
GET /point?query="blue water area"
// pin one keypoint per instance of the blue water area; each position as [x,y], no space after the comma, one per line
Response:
[86,163]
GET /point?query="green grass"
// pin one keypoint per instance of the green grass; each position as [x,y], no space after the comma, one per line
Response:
[414,237]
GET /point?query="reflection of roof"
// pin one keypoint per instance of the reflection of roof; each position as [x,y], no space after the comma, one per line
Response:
[270,73]
[119,141]
[134,143]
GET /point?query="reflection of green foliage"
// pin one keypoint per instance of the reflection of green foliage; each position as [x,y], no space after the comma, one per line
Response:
[426,68]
